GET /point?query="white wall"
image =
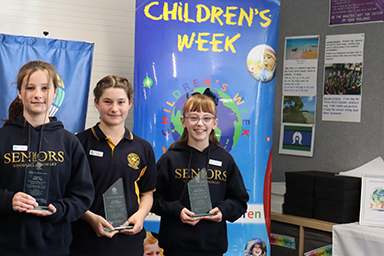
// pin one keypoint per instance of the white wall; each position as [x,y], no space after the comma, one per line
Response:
[109,24]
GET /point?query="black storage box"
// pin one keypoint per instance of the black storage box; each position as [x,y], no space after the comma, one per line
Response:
[322,195]
[337,194]
[336,217]
[299,200]
[297,189]
[300,190]
[337,198]
[306,178]
[338,182]
[298,211]
[334,207]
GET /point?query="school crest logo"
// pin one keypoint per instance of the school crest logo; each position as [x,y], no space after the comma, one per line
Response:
[133,161]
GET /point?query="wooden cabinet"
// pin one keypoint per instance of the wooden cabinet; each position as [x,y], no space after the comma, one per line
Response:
[302,223]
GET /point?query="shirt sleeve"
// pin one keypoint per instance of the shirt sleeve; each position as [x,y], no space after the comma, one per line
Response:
[147,182]
[161,205]
[6,198]
[79,191]
[236,196]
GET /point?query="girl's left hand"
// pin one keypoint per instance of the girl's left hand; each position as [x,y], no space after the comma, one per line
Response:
[137,221]
[43,213]
[214,218]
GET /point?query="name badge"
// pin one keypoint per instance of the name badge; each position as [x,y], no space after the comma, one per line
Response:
[96,153]
[20,147]
[215,162]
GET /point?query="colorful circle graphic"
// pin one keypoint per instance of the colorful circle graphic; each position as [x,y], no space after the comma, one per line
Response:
[58,101]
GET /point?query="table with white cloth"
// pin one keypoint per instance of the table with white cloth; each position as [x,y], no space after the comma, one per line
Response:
[354,239]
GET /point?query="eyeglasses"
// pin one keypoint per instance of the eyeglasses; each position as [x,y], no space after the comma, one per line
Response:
[195,119]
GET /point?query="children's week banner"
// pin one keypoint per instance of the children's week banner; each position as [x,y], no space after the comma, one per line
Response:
[228,46]
[73,63]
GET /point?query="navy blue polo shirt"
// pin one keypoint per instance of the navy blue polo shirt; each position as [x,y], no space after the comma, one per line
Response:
[131,159]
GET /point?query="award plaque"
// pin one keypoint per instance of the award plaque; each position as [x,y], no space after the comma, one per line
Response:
[36,184]
[114,205]
[372,200]
[199,195]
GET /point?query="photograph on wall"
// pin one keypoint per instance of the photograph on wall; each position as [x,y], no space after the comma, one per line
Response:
[299,95]
[355,11]
[343,77]
[301,48]
[299,109]
[300,65]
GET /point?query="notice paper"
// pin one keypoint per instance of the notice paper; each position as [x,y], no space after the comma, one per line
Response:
[376,167]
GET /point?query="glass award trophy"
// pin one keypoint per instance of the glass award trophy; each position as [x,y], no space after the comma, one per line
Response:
[36,184]
[199,195]
[114,205]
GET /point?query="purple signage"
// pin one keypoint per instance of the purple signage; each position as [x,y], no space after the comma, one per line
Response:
[355,11]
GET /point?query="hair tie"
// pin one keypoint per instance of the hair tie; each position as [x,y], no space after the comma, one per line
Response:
[208,92]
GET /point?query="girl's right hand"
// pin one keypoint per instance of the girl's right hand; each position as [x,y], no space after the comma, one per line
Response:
[22,202]
[185,216]
[99,225]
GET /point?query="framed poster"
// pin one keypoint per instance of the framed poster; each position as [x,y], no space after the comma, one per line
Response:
[372,200]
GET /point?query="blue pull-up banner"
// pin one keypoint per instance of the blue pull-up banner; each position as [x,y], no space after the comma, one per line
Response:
[230,47]
[73,63]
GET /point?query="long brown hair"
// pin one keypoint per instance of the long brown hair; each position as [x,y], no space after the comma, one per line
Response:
[24,74]
[198,103]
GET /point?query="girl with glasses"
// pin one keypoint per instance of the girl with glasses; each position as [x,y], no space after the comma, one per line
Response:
[197,151]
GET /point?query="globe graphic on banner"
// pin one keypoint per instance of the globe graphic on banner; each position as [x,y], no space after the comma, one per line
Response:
[229,127]
[60,95]
[378,196]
